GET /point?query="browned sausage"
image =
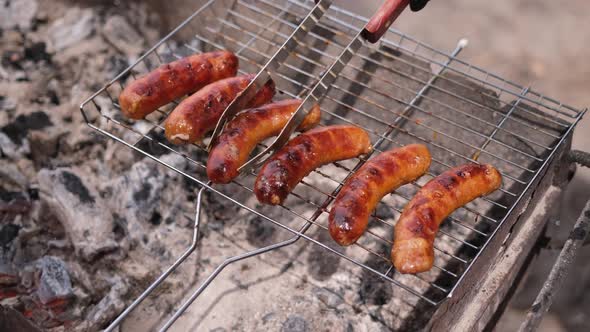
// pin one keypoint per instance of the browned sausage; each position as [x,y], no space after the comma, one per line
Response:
[413,247]
[306,152]
[198,114]
[362,192]
[246,130]
[174,80]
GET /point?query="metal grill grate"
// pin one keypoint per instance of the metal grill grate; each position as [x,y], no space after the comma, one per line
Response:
[400,90]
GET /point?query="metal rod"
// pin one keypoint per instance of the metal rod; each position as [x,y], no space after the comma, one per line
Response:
[168,271]
[272,64]
[558,273]
[506,116]
[218,270]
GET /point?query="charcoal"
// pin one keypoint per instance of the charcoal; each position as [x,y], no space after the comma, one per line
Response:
[116,64]
[54,283]
[321,263]
[118,32]
[7,103]
[8,275]
[18,129]
[12,58]
[14,203]
[137,195]
[109,306]
[11,150]
[81,211]
[76,25]
[295,323]
[8,244]
[8,233]
[9,173]
[328,297]
[260,232]
[37,52]
[44,146]
[12,320]
[17,14]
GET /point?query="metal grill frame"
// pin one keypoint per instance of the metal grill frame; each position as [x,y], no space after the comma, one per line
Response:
[553,111]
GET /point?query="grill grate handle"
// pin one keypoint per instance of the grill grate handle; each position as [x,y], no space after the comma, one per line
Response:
[383,19]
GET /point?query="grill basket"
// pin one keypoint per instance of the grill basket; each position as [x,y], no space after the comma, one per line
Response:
[399,90]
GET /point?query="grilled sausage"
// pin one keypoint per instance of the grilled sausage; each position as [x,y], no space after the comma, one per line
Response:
[362,192]
[198,114]
[174,80]
[246,130]
[413,248]
[306,152]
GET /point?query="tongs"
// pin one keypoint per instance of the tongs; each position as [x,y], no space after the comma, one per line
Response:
[371,32]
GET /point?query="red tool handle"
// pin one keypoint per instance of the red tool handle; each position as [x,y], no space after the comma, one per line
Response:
[383,19]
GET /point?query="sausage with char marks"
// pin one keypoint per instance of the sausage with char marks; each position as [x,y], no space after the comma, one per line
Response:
[241,135]
[174,80]
[413,246]
[198,114]
[304,153]
[362,192]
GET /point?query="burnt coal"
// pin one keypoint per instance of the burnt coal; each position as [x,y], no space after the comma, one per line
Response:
[109,306]
[80,210]
[13,320]
[156,218]
[8,233]
[74,185]
[53,97]
[151,146]
[12,58]
[143,193]
[295,323]
[13,203]
[374,289]
[260,232]
[322,264]
[17,14]
[9,196]
[117,64]
[37,52]
[18,129]
[54,281]
[11,175]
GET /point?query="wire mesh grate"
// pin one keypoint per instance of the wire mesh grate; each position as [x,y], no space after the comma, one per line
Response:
[400,90]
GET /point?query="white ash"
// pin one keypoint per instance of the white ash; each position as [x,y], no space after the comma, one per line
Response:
[76,25]
[125,38]
[81,210]
[54,281]
[17,14]
[108,306]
